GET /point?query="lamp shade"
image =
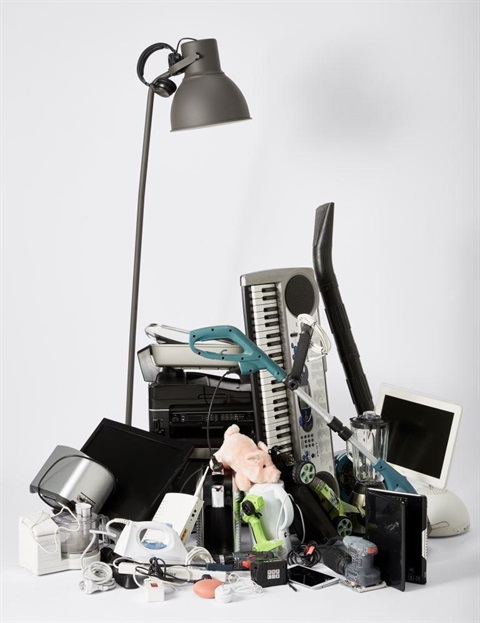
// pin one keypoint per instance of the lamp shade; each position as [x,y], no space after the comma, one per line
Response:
[206,95]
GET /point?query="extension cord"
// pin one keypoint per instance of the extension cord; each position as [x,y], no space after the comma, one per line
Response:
[197,574]
[128,568]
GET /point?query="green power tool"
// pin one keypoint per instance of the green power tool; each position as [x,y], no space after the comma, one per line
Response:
[251,505]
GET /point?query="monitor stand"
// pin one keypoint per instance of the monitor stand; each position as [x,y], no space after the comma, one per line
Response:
[447,514]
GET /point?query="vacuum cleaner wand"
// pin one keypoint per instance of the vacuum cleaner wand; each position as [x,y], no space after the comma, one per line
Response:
[335,310]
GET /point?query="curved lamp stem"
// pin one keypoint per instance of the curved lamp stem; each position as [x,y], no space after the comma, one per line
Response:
[138,254]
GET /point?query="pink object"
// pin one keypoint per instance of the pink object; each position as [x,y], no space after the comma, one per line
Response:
[251,463]
[206,588]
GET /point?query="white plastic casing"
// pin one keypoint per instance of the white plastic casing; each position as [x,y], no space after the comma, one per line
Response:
[40,547]
[223,594]
[153,590]
[181,511]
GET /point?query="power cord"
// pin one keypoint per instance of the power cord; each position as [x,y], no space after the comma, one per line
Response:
[158,569]
[216,466]
[98,576]
[198,554]
[242,586]
[306,554]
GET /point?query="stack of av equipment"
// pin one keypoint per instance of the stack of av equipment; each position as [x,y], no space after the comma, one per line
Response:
[180,397]
[179,403]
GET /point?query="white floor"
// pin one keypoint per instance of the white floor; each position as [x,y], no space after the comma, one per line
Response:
[451,594]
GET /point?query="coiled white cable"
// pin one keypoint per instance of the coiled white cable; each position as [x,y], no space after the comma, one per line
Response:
[98,576]
[199,554]
[242,586]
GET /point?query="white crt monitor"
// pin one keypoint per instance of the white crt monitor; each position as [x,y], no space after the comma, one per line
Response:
[422,433]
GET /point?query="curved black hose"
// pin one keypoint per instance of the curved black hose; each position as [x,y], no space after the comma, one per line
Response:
[335,310]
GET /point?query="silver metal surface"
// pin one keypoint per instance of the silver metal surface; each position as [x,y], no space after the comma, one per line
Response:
[69,475]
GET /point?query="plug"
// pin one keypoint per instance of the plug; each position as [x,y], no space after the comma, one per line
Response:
[89,587]
[153,590]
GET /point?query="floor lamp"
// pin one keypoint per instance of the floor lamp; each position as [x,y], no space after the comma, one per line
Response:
[205,97]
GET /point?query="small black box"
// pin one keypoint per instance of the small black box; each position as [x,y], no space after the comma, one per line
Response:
[269,572]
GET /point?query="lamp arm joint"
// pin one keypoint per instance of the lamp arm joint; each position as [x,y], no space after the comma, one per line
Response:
[180,66]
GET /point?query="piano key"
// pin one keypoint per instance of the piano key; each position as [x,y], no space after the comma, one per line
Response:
[271,415]
[269,382]
[273,439]
[271,423]
[273,400]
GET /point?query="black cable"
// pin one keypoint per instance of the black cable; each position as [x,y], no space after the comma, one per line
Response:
[306,554]
[210,410]
[158,568]
[197,471]
[144,57]
[184,39]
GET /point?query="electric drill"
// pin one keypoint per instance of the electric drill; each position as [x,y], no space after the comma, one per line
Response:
[353,558]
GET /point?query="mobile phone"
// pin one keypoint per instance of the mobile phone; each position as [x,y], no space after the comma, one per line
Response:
[310,577]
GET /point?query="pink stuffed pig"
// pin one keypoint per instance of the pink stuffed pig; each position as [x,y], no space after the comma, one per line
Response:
[251,464]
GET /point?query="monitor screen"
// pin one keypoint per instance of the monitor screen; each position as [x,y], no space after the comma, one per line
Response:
[422,432]
[143,463]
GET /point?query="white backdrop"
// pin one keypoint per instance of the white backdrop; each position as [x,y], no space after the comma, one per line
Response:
[372,105]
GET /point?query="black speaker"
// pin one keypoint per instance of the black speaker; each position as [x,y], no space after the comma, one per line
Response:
[300,296]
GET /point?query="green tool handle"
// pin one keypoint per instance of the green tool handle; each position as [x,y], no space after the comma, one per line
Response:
[251,359]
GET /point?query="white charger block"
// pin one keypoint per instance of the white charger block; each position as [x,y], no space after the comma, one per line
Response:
[153,590]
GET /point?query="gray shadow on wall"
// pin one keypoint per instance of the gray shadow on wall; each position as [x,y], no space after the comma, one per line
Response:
[348,96]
